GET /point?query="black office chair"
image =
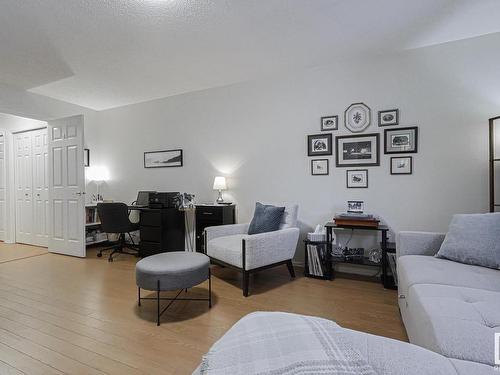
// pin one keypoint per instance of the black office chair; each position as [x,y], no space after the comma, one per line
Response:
[114,219]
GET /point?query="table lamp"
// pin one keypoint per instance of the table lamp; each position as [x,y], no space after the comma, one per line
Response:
[98,174]
[220,184]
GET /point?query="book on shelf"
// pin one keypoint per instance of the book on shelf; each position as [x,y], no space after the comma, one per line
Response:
[314,260]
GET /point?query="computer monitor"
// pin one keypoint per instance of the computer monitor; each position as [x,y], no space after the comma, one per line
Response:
[143,198]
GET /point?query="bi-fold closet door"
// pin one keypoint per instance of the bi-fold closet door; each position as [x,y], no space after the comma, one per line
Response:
[31,182]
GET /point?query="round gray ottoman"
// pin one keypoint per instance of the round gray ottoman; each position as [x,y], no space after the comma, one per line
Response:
[172,271]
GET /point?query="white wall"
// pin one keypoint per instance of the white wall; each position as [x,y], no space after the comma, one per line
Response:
[255,134]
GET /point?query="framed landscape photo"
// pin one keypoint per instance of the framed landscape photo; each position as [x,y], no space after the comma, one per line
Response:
[401,140]
[402,165]
[319,167]
[329,123]
[163,159]
[357,178]
[319,144]
[357,150]
[388,117]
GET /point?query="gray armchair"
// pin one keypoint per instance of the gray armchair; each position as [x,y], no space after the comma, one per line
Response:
[232,246]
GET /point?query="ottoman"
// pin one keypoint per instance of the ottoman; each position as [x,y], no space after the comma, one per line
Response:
[172,271]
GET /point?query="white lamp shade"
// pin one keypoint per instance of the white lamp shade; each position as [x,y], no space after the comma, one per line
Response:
[220,183]
[97,173]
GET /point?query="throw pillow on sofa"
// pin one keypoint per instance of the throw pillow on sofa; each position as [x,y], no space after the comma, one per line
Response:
[266,218]
[473,239]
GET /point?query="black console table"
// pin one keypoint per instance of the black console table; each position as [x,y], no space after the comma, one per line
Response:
[209,215]
[386,279]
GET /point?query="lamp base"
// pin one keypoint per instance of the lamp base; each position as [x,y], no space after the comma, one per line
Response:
[219,198]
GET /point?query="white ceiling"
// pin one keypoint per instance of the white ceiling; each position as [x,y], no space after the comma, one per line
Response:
[103,54]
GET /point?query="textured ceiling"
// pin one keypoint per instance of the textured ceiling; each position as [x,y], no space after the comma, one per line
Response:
[104,54]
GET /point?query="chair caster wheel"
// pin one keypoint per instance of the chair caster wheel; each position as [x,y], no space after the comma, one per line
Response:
[99,255]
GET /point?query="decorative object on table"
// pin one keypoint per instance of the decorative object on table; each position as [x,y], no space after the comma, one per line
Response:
[357,117]
[388,117]
[354,253]
[357,178]
[402,165]
[219,185]
[357,150]
[163,159]
[356,218]
[329,123]
[319,144]
[98,175]
[319,167]
[401,140]
[375,255]
[86,157]
[357,207]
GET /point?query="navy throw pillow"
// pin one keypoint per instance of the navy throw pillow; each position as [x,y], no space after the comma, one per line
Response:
[266,218]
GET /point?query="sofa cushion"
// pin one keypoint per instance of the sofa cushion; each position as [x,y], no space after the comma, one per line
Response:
[266,218]
[227,249]
[421,269]
[457,322]
[473,239]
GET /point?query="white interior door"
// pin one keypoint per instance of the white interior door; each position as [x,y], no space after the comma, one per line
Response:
[3,188]
[40,187]
[24,188]
[66,186]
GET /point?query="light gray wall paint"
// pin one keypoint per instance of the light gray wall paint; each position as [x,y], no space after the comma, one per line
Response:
[255,134]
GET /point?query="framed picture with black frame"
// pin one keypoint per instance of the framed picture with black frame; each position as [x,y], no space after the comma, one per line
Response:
[319,144]
[329,123]
[388,117]
[319,167]
[401,165]
[163,159]
[360,150]
[401,140]
[356,178]
[86,157]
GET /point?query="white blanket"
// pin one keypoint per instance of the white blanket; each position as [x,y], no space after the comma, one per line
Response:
[267,344]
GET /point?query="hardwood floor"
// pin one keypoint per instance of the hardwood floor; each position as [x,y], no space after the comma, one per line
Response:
[10,252]
[60,314]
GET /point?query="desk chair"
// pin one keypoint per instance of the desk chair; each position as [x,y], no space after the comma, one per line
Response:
[114,219]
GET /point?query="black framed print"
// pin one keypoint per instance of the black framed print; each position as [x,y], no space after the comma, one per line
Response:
[357,150]
[388,117]
[329,123]
[357,178]
[163,159]
[86,157]
[401,140]
[402,165]
[319,144]
[319,167]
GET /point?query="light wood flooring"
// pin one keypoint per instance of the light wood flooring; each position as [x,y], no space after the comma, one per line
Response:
[10,252]
[60,314]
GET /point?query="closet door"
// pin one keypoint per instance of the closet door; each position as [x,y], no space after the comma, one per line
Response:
[40,187]
[24,187]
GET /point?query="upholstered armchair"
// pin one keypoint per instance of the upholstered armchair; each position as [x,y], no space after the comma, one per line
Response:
[232,246]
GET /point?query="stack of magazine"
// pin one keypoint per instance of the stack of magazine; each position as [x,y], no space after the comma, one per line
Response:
[316,255]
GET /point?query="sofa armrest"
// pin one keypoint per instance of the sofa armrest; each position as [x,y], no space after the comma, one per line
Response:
[225,230]
[264,249]
[419,243]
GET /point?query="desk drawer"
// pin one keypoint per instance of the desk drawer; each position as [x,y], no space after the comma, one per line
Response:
[152,234]
[151,218]
[209,214]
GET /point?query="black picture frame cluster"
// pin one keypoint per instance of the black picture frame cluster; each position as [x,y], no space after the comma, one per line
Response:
[363,150]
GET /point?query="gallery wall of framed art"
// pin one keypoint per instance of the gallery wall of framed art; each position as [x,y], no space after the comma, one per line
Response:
[360,149]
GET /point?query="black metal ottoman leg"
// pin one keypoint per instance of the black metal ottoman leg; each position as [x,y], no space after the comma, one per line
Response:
[209,288]
[139,296]
[158,304]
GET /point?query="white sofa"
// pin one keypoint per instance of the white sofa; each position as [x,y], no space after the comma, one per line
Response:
[448,307]
[232,246]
